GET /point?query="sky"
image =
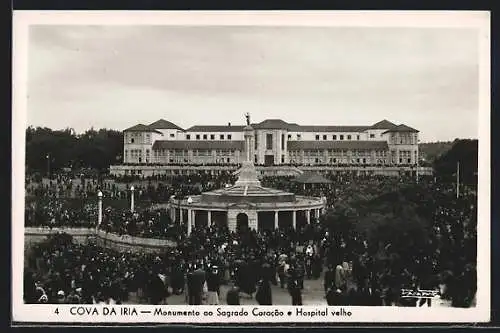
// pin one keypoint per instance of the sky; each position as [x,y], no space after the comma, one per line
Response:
[118,76]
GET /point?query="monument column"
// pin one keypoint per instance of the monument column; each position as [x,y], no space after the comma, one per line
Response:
[308,216]
[294,219]
[276,220]
[209,217]
[316,213]
[181,217]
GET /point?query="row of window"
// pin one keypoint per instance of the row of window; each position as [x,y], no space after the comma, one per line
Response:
[196,152]
[138,138]
[340,137]
[232,152]
[211,136]
[341,152]
[404,139]
[335,160]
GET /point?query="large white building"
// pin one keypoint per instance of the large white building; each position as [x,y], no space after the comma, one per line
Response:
[275,142]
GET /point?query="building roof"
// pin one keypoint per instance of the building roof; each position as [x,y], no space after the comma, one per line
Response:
[141,128]
[383,124]
[315,128]
[164,124]
[272,124]
[309,145]
[215,128]
[402,128]
[198,144]
[312,178]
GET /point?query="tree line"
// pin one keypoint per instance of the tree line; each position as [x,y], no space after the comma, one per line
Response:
[49,151]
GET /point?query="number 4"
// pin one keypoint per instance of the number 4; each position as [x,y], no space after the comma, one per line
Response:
[56,311]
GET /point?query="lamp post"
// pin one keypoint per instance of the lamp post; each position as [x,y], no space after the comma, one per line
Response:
[190,217]
[99,208]
[132,198]
[48,164]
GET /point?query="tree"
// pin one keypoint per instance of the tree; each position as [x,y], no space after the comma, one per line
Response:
[466,153]
[93,149]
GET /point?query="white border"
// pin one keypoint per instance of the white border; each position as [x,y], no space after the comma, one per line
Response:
[445,19]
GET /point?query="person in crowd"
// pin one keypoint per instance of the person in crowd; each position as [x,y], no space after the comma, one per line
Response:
[213,285]
[380,268]
[264,293]
[293,287]
[233,295]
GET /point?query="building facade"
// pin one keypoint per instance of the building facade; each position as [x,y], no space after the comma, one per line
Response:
[274,142]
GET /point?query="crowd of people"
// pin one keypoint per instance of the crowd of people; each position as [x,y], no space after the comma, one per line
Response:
[356,268]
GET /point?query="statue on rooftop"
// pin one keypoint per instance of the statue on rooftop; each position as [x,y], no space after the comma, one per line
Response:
[247,116]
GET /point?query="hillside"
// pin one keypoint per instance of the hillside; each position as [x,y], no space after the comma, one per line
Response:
[432,150]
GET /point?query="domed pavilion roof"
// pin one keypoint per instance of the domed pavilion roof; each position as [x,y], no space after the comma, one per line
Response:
[247,189]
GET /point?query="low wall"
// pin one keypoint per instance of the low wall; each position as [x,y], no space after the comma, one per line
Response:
[108,240]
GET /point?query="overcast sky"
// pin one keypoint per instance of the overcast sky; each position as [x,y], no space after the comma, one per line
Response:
[116,77]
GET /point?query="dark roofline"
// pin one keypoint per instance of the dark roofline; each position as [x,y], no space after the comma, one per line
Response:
[141,128]
[164,124]
[215,128]
[402,128]
[383,124]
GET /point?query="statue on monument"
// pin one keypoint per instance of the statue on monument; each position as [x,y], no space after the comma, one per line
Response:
[247,116]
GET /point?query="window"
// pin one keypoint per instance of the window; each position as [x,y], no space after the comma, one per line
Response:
[400,160]
[205,137]
[364,160]
[317,136]
[255,159]
[269,141]
[324,136]
[334,160]
[348,137]
[357,137]
[282,142]
[255,143]
[341,137]
[299,136]
[372,136]
[188,137]
[228,160]
[229,136]
[221,136]
[282,158]
[334,137]
[172,135]
[132,140]
[212,136]
[197,137]
[289,136]
[357,160]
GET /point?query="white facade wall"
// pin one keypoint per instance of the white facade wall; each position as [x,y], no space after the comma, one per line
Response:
[137,147]
[403,147]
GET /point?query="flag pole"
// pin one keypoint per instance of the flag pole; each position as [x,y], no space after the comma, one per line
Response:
[458,179]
